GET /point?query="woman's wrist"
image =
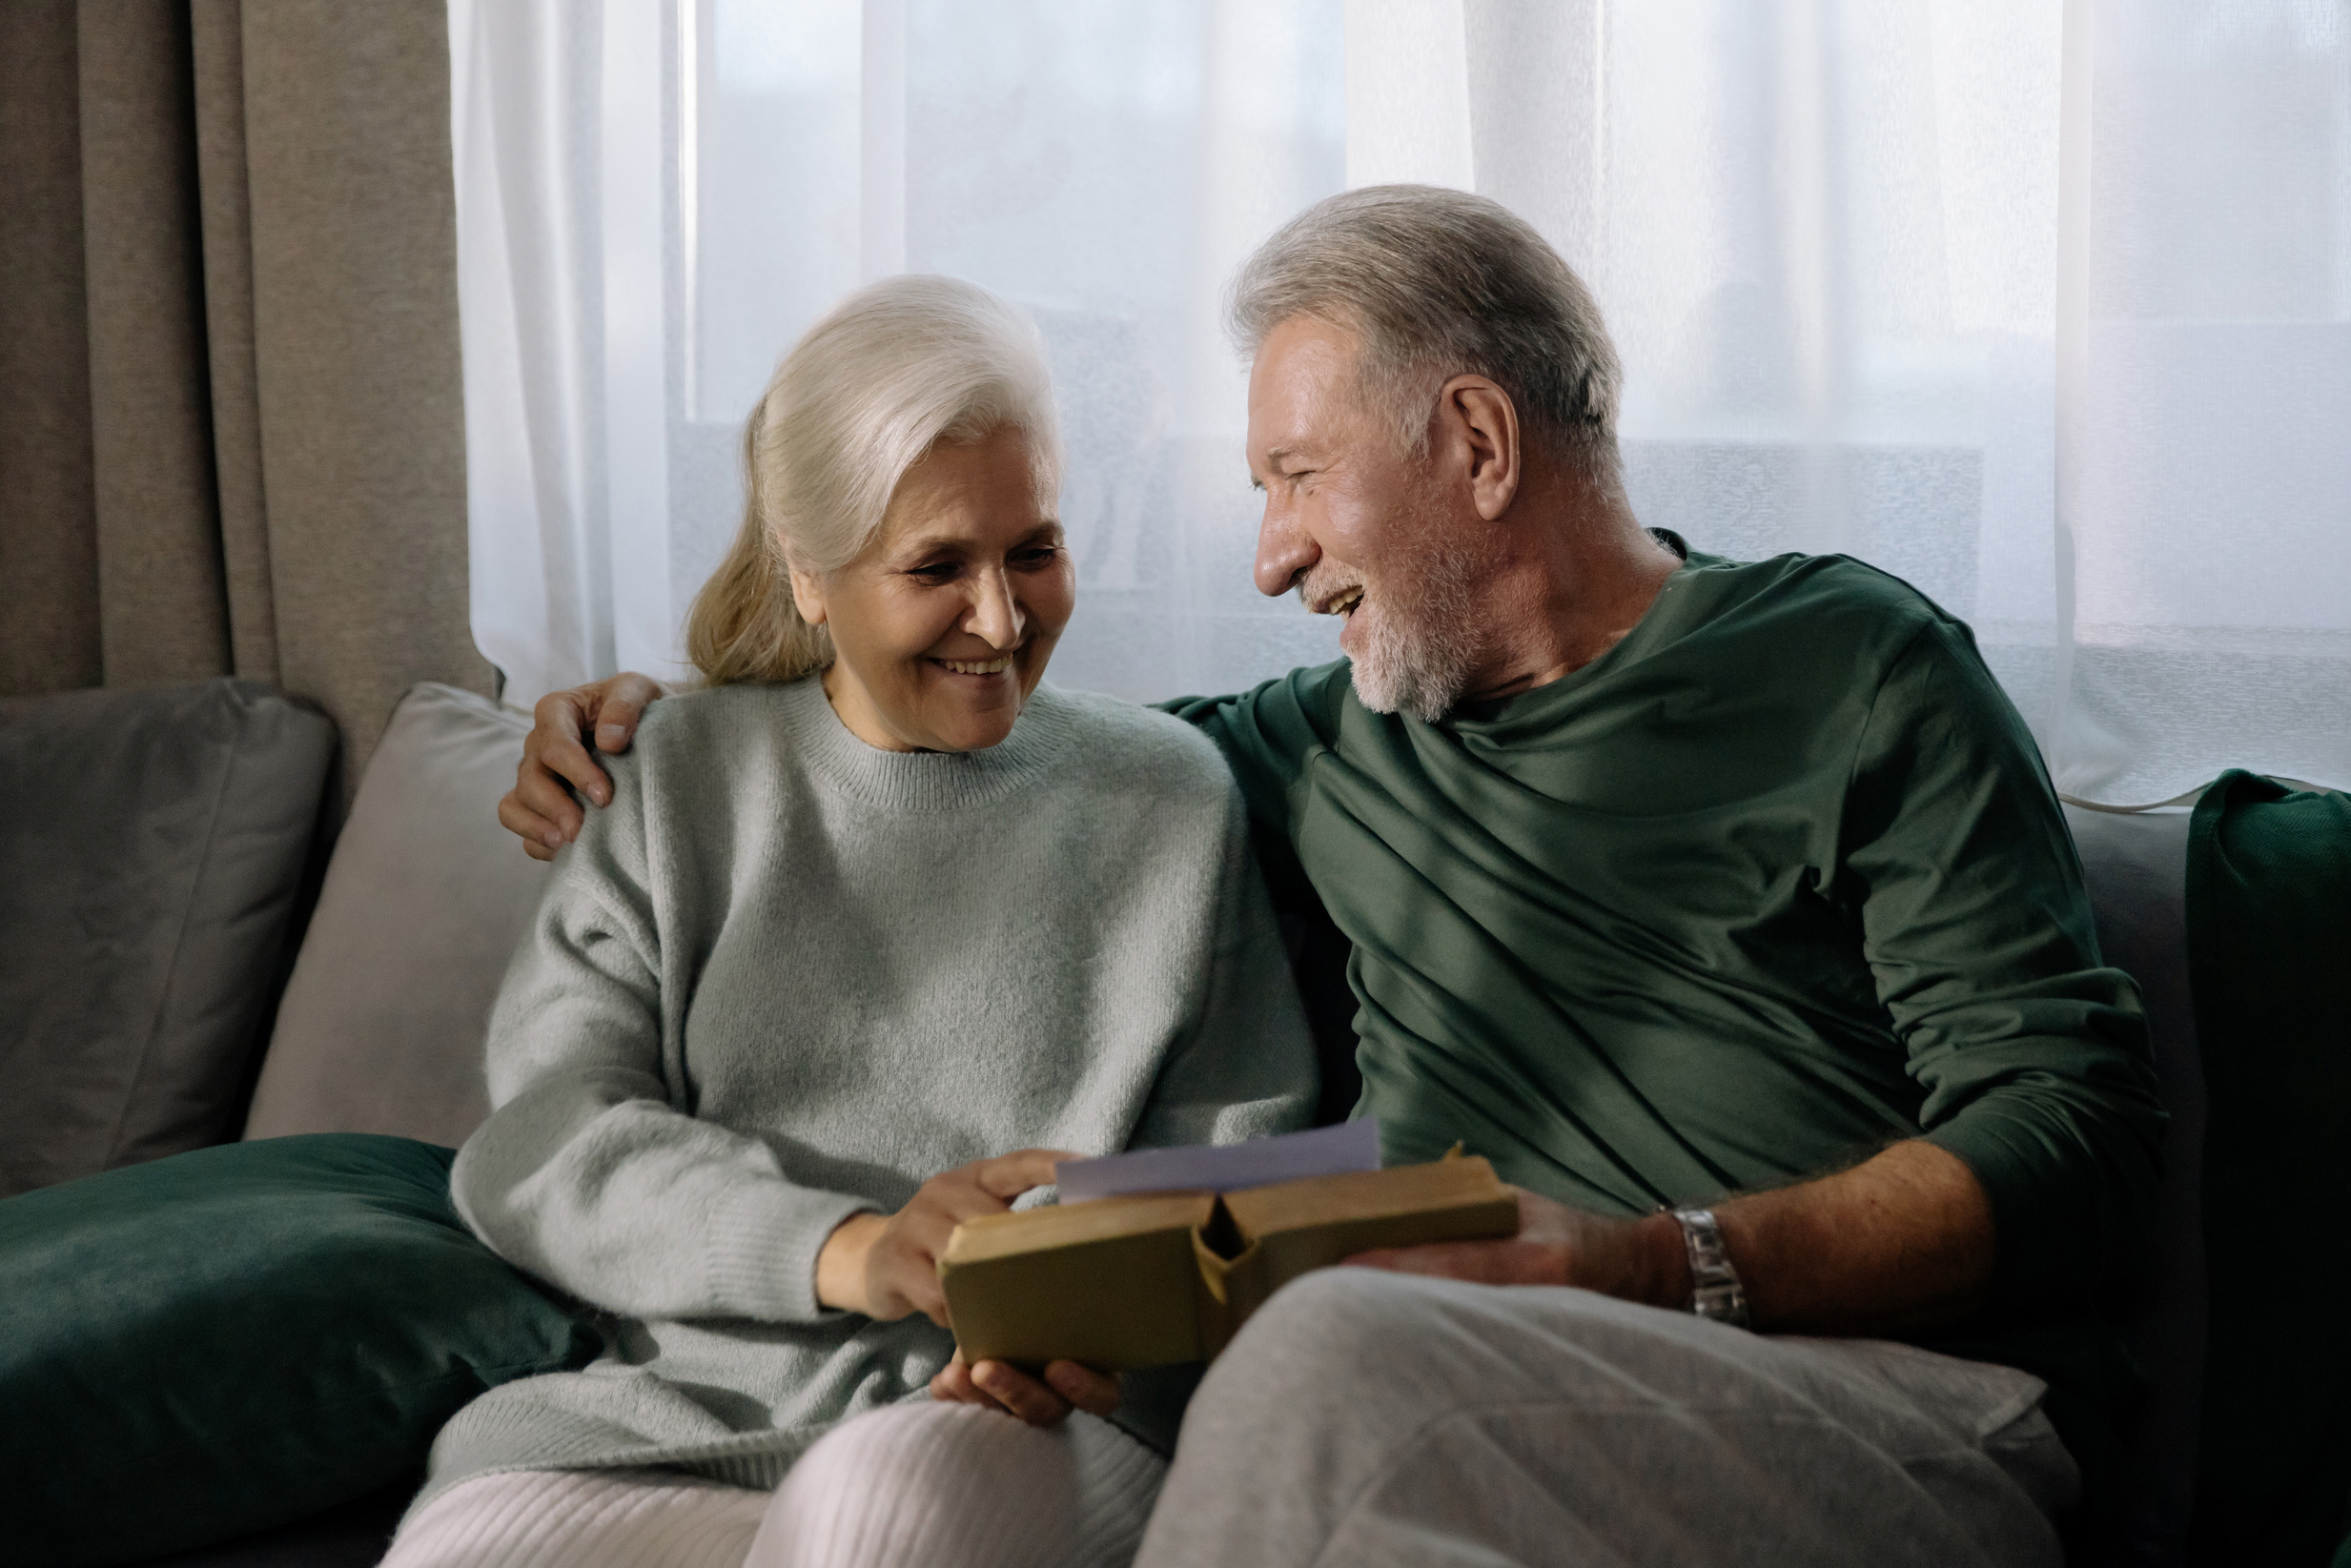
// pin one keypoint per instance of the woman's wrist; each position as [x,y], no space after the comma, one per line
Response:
[841,1262]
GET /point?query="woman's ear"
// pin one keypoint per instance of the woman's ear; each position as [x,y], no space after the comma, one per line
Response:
[809,596]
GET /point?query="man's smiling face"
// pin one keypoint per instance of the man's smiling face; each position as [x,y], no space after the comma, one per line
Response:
[1359,527]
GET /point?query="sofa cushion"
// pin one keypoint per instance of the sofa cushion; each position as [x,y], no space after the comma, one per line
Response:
[2269,929]
[383,1024]
[228,1339]
[151,848]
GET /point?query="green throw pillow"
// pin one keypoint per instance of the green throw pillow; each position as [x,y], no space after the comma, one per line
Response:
[237,1338]
[2269,923]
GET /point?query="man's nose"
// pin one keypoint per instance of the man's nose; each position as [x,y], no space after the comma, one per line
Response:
[995,615]
[1285,550]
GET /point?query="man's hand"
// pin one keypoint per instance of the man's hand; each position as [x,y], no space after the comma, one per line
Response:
[539,808]
[1635,1260]
[1902,1240]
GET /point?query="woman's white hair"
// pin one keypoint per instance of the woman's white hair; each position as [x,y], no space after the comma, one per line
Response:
[896,368]
[1437,283]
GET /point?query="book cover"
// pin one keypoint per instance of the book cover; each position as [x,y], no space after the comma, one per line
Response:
[1147,1279]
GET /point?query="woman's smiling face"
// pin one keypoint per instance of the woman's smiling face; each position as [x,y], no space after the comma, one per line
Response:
[941,627]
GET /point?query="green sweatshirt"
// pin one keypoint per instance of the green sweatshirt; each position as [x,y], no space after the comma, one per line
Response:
[1777,879]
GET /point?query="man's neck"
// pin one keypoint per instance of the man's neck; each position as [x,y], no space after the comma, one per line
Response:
[1579,573]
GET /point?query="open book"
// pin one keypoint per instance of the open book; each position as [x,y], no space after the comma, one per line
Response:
[1148,1279]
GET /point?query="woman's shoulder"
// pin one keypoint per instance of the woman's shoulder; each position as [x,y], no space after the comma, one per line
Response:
[698,742]
[1118,740]
[719,715]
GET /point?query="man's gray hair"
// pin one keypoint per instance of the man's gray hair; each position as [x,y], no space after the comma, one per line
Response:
[1439,283]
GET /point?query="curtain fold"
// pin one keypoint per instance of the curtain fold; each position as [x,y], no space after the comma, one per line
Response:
[162,608]
[2043,306]
[232,432]
[656,197]
[48,555]
[225,201]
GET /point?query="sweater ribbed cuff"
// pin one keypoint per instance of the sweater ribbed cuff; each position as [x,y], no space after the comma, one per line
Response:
[762,1242]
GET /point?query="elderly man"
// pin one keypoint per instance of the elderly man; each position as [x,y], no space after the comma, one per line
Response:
[1726,907]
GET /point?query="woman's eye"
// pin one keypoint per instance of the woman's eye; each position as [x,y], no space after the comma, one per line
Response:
[1043,555]
[940,571]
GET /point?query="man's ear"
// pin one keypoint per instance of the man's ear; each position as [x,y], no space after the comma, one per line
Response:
[1479,415]
[809,596]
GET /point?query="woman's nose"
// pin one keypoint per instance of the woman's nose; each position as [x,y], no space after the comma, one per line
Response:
[995,615]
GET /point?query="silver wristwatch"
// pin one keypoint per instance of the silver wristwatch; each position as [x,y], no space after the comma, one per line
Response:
[1714,1291]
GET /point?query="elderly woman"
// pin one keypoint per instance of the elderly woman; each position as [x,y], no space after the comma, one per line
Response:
[875,924]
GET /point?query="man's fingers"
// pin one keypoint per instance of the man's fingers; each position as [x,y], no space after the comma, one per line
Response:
[1095,1392]
[562,756]
[556,744]
[541,794]
[616,724]
[1020,1393]
[541,838]
[618,705]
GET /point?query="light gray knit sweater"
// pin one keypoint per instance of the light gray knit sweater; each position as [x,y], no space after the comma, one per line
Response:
[786,977]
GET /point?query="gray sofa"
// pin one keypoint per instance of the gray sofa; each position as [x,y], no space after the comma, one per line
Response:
[207,981]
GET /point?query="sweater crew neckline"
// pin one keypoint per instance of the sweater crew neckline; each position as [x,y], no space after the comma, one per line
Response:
[924,781]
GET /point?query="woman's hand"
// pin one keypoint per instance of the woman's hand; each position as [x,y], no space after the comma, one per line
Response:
[1064,1386]
[887,1266]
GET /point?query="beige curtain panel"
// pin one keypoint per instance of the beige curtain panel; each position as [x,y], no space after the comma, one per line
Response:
[232,428]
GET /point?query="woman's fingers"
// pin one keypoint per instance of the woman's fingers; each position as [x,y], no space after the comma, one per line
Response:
[901,1277]
[1008,1176]
[1020,1394]
[954,1384]
[1095,1392]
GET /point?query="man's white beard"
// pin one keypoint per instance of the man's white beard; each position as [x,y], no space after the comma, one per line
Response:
[1417,654]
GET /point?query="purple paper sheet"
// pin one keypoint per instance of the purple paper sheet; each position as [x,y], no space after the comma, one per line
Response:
[1291,1156]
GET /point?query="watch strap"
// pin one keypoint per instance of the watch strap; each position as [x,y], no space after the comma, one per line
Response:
[1715,1292]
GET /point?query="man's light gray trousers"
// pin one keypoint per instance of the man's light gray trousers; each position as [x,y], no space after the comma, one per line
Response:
[1365,1418]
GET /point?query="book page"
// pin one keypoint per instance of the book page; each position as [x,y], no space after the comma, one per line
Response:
[1229,1168]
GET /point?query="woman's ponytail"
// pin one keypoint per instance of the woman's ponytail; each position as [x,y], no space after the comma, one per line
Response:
[743,624]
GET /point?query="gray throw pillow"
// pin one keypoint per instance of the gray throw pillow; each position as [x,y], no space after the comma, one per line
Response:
[383,1024]
[151,848]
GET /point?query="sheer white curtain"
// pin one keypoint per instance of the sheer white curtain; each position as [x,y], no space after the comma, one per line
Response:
[2044,305]
[656,198]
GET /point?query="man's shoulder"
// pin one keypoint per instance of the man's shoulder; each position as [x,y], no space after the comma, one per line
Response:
[1300,705]
[1833,607]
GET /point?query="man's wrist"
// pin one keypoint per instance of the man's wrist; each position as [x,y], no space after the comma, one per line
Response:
[1664,1263]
